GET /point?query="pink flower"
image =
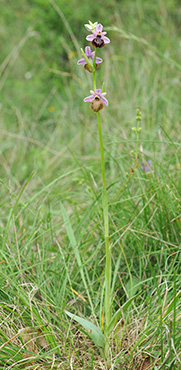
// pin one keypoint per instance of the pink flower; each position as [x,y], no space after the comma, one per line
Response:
[89,54]
[97,100]
[98,38]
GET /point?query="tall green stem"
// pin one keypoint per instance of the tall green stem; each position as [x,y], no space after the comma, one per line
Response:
[94,80]
[94,73]
[108,295]
[106,230]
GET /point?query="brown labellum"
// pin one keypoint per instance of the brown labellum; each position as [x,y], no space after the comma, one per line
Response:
[97,104]
[87,67]
[98,42]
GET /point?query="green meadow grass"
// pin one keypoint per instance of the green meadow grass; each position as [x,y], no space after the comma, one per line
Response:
[50,157]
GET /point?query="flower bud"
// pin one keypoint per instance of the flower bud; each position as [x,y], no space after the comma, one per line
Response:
[138,112]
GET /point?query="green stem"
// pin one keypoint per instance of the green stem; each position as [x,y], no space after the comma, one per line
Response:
[94,80]
[94,73]
[106,231]
[108,293]
[137,138]
[138,119]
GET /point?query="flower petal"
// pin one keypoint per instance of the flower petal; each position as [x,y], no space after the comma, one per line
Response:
[89,98]
[90,37]
[98,91]
[105,101]
[99,27]
[98,60]
[88,51]
[106,40]
[94,33]
[81,61]
[88,27]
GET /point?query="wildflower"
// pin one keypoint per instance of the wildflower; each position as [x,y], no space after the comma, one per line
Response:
[98,38]
[90,55]
[145,166]
[97,100]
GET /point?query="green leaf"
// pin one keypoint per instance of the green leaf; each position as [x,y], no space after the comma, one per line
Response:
[93,331]
[132,286]
[118,314]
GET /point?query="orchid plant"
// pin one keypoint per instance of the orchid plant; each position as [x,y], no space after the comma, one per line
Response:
[91,62]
